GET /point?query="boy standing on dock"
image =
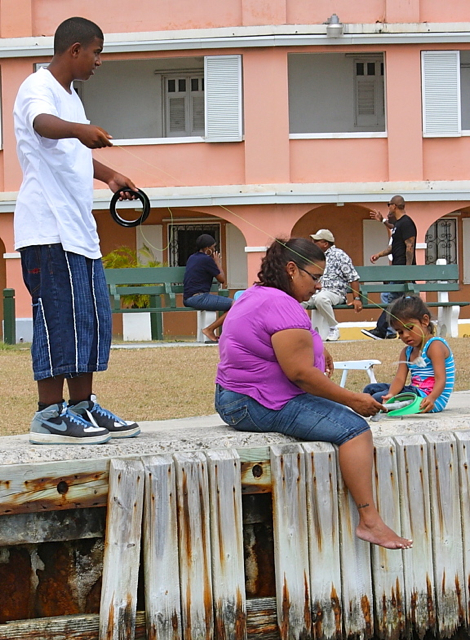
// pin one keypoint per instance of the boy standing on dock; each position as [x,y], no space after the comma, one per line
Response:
[55,232]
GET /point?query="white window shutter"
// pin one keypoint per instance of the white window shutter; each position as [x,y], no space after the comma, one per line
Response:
[223,98]
[441,93]
[177,116]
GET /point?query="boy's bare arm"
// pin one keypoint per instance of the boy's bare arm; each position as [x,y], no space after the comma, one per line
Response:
[113,179]
[49,126]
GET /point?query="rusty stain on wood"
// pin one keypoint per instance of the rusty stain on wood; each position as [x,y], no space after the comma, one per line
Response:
[122,548]
[50,486]
[256,476]
[74,627]
[195,569]
[460,606]
[366,612]
[50,492]
[233,610]
[430,604]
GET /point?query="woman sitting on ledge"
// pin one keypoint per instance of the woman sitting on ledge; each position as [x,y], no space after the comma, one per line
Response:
[202,267]
[271,376]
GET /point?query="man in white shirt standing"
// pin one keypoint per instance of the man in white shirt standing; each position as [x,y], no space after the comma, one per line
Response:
[339,279]
[55,232]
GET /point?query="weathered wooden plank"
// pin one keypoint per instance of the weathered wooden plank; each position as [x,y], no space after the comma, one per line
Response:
[228,575]
[413,476]
[76,627]
[194,545]
[323,526]
[357,596]
[387,565]
[447,533]
[256,477]
[122,550]
[52,485]
[463,452]
[160,550]
[255,470]
[262,619]
[52,526]
[291,541]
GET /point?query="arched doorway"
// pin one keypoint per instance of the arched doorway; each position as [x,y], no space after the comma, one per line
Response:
[354,231]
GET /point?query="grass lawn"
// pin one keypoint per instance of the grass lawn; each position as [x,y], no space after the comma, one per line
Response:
[162,383]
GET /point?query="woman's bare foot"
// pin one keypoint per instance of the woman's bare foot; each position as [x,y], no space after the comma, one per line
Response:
[382,535]
[210,335]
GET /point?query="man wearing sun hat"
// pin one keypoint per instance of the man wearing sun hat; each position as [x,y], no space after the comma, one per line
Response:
[339,279]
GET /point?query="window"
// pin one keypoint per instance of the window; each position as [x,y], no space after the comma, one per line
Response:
[336,93]
[445,93]
[440,93]
[184,100]
[149,100]
[441,241]
[369,93]
[182,240]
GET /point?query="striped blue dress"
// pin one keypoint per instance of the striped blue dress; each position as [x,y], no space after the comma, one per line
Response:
[422,374]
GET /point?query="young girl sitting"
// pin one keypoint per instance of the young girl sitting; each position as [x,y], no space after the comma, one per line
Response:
[427,357]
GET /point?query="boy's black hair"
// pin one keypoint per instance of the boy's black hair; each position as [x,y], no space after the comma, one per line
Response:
[75,30]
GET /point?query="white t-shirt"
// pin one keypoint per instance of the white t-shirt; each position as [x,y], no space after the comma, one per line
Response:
[55,200]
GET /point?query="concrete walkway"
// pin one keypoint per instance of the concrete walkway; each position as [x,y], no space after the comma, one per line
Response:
[209,432]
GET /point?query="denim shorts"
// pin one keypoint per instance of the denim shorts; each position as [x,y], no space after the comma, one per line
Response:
[306,417]
[71,311]
[379,389]
[208,302]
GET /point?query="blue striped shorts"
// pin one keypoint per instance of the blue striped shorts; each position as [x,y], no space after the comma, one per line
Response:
[71,311]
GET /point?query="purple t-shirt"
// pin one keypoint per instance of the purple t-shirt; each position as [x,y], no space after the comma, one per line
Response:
[248,363]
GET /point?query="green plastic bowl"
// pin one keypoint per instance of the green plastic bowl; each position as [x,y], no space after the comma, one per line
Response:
[413,407]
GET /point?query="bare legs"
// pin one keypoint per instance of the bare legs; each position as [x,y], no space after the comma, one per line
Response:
[355,460]
[209,331]
[51,390]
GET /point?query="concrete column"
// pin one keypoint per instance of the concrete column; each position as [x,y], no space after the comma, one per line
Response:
[266,113]
[16,18]
[404,124]
[14,71]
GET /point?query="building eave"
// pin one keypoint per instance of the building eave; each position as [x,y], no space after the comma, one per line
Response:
[251,37]
[270,194]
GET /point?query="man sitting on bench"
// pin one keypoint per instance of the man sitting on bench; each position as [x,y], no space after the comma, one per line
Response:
[339,278]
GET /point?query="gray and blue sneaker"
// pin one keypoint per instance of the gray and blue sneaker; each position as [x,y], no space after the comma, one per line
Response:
[57,425]
[94,413]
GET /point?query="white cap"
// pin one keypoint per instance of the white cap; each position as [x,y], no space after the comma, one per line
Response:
[323,234]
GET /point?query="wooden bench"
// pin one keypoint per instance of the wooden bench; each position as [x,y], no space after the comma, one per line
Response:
[411,280]
[161,284]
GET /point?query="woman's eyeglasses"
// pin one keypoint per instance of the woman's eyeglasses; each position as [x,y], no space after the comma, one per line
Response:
[314,278]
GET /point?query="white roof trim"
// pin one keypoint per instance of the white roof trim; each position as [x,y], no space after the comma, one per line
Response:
[247,37]
[315,193]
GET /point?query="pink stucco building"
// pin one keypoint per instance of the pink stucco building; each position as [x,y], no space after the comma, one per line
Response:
[247,119]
